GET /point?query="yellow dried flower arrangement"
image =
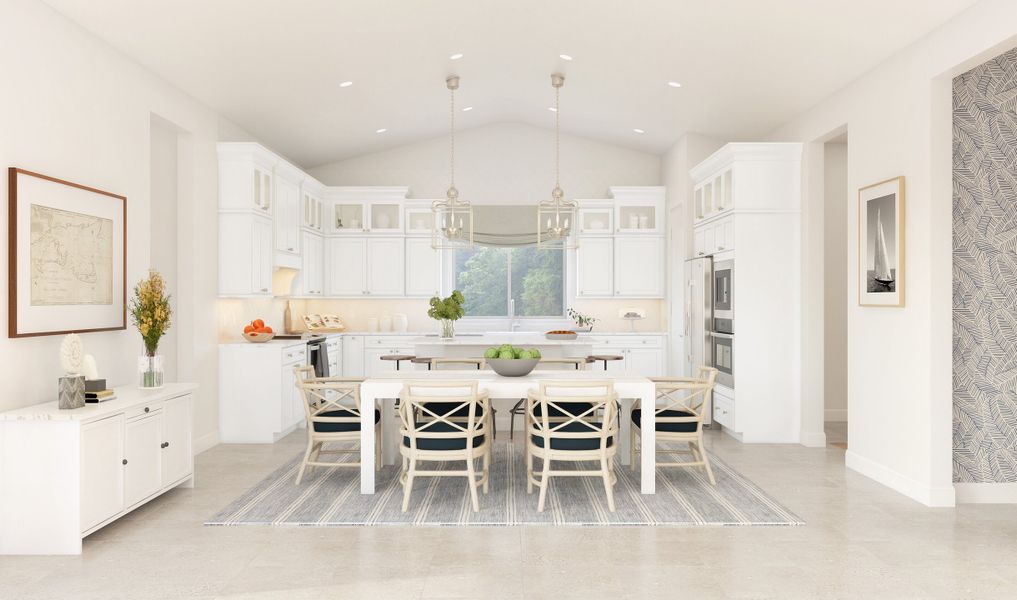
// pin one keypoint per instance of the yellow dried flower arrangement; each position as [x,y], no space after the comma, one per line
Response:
[150,310]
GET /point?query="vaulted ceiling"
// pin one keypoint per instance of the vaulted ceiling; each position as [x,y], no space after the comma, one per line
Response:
[276,67]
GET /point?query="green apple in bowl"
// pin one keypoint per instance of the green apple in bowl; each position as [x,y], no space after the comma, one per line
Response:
[491,353]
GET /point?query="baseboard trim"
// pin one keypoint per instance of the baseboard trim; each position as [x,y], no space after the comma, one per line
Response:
[205,442]
[927,495]
[836,415]
[813,439]
[986,493]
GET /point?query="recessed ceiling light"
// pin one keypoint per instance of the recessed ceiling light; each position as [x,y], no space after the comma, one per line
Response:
[346,84]
[564,57]
[638,130]
[456,56]
[468,108]
[552,109]
[382,130]
[674,84]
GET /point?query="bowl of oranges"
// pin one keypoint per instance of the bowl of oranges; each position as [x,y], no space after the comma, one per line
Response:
[256,331]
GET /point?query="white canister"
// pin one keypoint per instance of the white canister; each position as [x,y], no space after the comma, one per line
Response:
[400,322]
[372,324]
[382,221]
[386,323]
[633,221]
[644,221]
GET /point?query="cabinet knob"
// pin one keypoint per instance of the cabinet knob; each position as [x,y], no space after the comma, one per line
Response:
[701,253]
[720,247]
[125,461]
[147,409]
[290,249]
[264,289]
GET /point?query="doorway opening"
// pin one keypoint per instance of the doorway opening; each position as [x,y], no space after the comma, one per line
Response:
[836,207]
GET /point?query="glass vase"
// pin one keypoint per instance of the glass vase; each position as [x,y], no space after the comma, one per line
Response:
[150,372]
[448,329]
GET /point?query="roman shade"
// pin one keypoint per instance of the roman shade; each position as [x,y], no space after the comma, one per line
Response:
[505,226]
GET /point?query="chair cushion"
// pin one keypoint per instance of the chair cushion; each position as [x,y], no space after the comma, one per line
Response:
[339,427]
[665,426]
[576,408]
[453,443]
[442,408]
[591,443]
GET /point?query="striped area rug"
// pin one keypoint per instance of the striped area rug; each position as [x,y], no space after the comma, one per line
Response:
[331,497]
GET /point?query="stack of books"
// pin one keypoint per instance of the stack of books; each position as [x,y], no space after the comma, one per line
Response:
[95,391]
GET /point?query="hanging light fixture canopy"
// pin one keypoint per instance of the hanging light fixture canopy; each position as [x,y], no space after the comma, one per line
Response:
[452,217]
[557,216]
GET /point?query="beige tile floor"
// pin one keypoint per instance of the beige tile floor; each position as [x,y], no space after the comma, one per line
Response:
[861,541]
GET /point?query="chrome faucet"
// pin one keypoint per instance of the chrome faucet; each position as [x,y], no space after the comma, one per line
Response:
[513,325]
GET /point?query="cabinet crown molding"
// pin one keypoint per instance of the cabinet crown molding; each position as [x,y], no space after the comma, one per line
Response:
[747,151]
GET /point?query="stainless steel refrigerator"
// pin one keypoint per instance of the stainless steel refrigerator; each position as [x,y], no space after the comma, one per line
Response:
[698,318]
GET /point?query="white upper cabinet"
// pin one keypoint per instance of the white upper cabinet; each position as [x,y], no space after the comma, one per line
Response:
[246,181]
[245,254]
[595,267]
[422,267]
[287,213]
[385,266]
[347,271]
[360,210]
[312,209]
[621,244]
[638,210]
[419,218]
[639,266]
[596,217]
[311,281]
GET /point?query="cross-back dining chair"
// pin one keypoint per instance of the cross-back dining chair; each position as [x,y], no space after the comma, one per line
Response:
[333,412]
[586,430]
[678,414]
[445,421]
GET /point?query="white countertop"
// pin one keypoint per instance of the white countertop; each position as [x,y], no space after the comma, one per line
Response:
[126,397]
[466,338]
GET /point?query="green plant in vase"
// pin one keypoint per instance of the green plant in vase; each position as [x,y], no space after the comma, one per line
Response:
[447,311]
[583,322]
[151,314]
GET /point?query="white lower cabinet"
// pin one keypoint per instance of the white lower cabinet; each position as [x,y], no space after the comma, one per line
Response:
[177,456]
[142,457]
[102,455]
[258,399]
[66,473]
[640,354]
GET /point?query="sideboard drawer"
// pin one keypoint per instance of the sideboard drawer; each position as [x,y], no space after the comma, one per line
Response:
[142,409]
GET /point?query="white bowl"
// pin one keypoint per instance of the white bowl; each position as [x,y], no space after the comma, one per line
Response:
[513,367]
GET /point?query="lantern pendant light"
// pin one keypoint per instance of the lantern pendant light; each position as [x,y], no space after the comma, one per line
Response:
[556,217]
[451,217]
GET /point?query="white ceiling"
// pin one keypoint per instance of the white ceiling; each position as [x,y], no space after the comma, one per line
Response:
[274,67]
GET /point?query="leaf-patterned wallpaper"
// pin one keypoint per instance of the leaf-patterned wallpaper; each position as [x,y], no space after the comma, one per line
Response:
[985,272]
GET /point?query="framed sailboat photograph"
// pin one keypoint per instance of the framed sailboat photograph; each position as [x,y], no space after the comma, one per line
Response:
[881,244]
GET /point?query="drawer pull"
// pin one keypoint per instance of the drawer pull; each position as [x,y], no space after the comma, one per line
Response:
[125,461]
[164,445]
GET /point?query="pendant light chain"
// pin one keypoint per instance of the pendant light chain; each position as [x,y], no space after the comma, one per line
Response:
[452,145]
[557,137]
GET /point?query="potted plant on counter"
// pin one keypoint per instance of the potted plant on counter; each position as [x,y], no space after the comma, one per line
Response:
[584,323]
[447,311]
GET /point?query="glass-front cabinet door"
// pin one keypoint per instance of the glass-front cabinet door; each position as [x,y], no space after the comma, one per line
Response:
[348,217]
[596,220]
[419,220]
[385,217]
[638,209]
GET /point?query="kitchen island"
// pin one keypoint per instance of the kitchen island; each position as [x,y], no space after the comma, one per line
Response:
[472,345]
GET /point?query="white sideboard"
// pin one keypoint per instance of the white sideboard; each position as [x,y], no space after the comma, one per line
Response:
[66,473]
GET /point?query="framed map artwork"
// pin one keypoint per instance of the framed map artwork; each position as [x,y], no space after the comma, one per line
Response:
[67,250]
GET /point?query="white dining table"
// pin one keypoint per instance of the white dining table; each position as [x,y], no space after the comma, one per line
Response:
[384,389]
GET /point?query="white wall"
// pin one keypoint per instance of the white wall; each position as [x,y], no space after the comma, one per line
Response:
[504,163]
[899,359]
[76,109]
[835,283]
[687,152]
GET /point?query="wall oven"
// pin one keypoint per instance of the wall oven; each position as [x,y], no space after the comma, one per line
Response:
[723,296]
[722,357]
